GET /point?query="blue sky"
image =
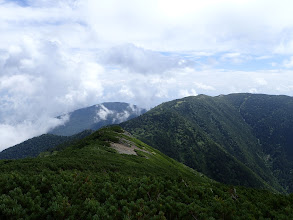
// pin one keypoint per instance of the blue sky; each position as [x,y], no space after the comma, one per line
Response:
[57,56]
[20,2]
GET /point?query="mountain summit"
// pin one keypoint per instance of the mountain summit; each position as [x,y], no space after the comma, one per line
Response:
[97,116]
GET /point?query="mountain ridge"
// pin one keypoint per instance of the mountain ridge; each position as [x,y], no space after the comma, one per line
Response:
[218,119]
[97,116]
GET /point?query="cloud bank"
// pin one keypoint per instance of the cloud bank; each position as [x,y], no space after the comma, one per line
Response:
[59,56]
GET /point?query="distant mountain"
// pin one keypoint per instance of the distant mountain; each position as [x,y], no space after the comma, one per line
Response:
[34,146]
[97,116]
[81,123]
[241,139]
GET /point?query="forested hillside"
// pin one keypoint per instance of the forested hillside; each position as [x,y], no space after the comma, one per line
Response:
[93,179]
[271,120]
[197,130]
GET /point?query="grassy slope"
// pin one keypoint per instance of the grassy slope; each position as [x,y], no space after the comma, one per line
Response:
[89,180]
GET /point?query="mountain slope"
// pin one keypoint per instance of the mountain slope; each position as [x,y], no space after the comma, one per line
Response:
[204,128]
[34,146]
[91,180]
[97,116]
[271,120]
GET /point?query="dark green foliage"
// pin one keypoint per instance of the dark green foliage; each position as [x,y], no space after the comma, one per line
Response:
[87,181]
[34,146]
[209,135]
[271,120]
[87,118]
[76,195]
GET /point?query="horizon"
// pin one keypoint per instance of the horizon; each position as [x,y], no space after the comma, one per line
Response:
[62,120]
[59,56]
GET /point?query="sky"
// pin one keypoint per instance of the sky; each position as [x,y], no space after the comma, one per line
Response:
[58,56]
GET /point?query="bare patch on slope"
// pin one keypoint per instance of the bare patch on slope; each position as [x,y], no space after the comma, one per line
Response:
[127,147]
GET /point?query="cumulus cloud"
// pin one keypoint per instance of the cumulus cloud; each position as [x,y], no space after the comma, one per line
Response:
[39,80]
[57,56]
[135,109]
[102,113]
[288,63]
[261,81]
[42,71]
[210,26]
[12,134]
[204,86]
[140,60]
[120,117]
[185,92]
[235,58]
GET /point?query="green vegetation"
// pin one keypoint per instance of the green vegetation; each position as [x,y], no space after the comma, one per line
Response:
[271,120]
[239,139]
[209,135]
[90,180]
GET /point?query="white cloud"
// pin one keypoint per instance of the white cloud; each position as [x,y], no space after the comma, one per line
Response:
[206,26]
[203,86]
[102,113]
[185,92]
[284,89]
[57,56]
[135,109]
[236,58]
[16,133]
[274,64]
[39,80]
[126,91]
[264,57]
[288,63]
[261,81]
[253,90]
[121,117]
[139,60]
